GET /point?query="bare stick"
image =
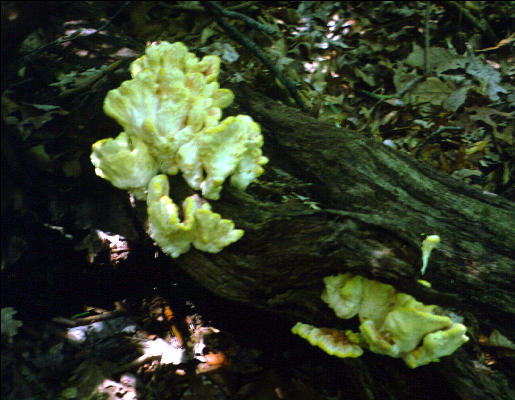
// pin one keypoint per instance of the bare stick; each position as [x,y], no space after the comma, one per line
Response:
[249,21]
[253,47]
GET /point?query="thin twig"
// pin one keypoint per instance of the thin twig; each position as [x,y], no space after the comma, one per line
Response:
[193,7]
[112,17]
[435,134]
[408,86]
[88,320]
[241,6]
[253,47]
[75,35]
[84,84]
[483,24]
[249,21]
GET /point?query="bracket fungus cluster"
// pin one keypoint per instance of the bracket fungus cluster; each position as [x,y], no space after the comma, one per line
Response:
[391,323]
[170,112]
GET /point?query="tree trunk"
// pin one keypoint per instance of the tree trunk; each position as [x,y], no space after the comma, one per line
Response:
[333,201]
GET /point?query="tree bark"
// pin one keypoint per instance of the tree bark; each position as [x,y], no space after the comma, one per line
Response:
[333,201]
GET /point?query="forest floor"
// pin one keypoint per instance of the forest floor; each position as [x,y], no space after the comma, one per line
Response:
[99,317]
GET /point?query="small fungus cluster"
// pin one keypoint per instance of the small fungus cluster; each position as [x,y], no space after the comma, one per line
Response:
[170,112]
[391,323]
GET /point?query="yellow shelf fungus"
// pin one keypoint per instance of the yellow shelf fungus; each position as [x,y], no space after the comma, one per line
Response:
[125,162]
[391,323]
[231,148]
[206,230]
[332,341]
[173,104]
[170,112]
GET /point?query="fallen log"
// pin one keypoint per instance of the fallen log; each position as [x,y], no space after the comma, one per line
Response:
[333,201]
